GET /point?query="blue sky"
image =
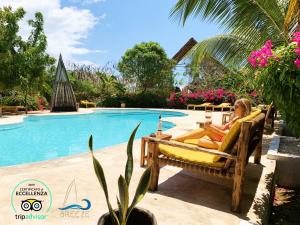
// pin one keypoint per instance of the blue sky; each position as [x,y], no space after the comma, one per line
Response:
[100,31]
[126,23]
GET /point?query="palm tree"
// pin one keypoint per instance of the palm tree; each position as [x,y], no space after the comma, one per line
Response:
[247,24]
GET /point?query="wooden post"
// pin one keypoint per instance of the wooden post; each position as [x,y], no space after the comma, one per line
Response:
[154,163]
[258,151]
[240,165]
[143,146]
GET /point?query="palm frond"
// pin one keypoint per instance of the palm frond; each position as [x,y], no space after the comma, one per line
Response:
[234,15]
[229,50]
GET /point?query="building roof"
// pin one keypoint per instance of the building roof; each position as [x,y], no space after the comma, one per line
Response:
[184,50]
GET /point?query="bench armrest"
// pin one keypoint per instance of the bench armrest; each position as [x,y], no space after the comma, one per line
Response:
[191,147]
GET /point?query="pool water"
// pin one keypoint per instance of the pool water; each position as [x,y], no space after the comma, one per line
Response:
[41,138]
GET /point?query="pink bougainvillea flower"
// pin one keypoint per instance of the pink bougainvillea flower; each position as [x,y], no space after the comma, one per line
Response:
[261,56]
[297,51]
[263,62]
[297,63]
[253,94]
[252,61]
[181,100]
[268,44]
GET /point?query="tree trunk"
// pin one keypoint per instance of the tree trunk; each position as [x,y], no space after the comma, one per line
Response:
[298,26]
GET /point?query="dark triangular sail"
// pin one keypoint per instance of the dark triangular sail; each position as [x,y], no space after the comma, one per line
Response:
[63,98]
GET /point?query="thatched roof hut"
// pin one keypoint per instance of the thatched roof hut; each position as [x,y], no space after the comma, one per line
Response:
[63,98]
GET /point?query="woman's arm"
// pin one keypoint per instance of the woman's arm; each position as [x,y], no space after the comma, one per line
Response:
[216,130]
[228,125]
[221,130]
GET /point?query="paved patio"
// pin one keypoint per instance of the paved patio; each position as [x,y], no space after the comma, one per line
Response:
[182,197]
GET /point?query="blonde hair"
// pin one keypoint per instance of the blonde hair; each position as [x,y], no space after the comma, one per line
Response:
[245,104]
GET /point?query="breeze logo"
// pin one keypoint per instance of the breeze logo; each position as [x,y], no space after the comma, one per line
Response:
[74,209]
[31,199]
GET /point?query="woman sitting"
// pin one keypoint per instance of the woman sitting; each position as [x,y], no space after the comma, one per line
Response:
[214,133]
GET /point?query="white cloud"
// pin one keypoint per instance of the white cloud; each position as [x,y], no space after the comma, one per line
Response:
[66,27]
[86,2]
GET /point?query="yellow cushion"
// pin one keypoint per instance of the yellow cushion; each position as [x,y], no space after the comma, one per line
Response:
[194,141]
[223,104]
[190,155]
[191,141]
[234,131]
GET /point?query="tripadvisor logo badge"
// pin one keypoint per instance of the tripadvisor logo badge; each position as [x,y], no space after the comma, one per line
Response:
[31,199]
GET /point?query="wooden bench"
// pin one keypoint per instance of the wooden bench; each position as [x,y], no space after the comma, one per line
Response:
[7,110]
[248,141]
[87,104]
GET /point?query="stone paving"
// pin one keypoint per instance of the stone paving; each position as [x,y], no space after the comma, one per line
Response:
[182,197]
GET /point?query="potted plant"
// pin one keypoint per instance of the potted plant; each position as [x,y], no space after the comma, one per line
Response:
[125,214]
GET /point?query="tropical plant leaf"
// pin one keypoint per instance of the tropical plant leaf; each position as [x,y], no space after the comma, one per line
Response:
[129,163]
[233,14]
[290,18]
[120,211]
[141,189]
[101,178]
[124,198]
[248,24]
[228,50]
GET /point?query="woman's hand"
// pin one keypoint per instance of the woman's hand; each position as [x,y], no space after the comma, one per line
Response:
[209,127]
[207,123]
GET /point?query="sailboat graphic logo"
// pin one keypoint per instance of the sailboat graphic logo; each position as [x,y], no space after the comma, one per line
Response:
[85,203]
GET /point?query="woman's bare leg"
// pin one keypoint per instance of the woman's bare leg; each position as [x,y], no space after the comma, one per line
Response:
[208,143]
[198,133]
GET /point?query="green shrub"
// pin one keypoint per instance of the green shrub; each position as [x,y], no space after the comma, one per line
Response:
[136,100]
[33,102]
[279,76]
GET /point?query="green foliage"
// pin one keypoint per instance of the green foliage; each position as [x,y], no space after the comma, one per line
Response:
[123,184]
[248,24]
[238,82]
[17,99]
[10,41]
[280,82]
[23,63]
[136,100]
[146,66]
[93,83]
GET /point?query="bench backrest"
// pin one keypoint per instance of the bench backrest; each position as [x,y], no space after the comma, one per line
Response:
[233,133]
[253,137]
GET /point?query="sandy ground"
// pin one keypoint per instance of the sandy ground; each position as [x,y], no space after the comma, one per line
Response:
[182,198]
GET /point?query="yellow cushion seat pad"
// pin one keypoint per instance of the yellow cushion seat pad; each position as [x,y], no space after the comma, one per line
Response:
[191,156]
[206,142]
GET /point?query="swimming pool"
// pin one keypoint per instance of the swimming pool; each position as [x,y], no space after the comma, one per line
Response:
[41,138]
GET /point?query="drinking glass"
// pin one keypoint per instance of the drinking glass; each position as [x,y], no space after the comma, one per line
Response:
[208,116]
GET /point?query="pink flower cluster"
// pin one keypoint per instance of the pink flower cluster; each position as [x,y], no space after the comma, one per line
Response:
[176,97]
[297,51]
[41,104]
[216,96]
[260,57]
[192,95]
